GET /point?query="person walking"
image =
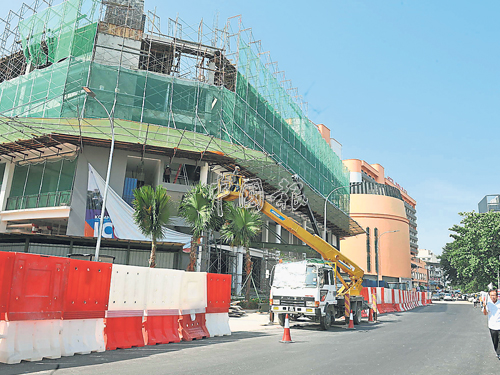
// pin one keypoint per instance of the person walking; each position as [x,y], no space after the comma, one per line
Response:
[492,309]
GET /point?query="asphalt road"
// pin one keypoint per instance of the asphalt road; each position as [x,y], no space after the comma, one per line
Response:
[445,338]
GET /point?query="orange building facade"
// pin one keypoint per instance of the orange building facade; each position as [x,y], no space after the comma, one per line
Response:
[387,213]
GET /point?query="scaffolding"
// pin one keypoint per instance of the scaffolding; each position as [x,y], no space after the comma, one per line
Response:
[206,80]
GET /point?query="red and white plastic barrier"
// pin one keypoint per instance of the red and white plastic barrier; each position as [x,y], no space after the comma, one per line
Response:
[394,300]
[127,301]
[162,313]
[52,307]
[193,304]
[218,301]
[85,305]
[32,304]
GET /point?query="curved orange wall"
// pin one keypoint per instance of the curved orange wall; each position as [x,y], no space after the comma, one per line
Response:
[386,214]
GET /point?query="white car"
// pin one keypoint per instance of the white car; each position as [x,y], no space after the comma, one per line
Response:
[448,297]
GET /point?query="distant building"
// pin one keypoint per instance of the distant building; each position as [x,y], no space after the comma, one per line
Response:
[435,273]
[387,213]
[334,144]
[489,203]
[419,274]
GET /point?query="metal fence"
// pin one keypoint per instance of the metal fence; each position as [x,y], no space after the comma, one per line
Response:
[54,199]
[125,252]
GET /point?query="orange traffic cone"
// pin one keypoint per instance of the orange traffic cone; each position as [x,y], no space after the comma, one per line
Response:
[286,334]
[370,315]
[351,321]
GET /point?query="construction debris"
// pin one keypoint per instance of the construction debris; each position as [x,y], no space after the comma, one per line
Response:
[235,310]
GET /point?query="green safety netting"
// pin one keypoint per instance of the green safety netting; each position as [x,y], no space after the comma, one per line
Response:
[257,112]
[59,31]
[182,104]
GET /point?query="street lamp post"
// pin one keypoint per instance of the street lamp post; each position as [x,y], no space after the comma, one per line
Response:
[326,201]
[90,93]
[378,252]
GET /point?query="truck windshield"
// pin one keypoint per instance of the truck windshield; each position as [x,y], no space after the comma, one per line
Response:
[311,277]
[295,275]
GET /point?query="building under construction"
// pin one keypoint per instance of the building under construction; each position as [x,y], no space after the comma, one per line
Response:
[194,100]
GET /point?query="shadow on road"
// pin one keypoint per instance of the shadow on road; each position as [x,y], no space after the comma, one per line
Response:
[365,326]
[51,365]
[339,326]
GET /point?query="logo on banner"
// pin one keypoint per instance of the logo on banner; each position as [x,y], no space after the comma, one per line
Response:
[93,213]
[92,225]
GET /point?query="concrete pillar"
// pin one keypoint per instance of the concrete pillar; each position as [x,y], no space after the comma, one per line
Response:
[239,269]
[211,72]
[5,191]
[278,233]
[204,174]
[159,172]
[6,183]
[265,232]
[334,240]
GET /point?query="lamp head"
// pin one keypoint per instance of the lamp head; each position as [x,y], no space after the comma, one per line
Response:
[88,91]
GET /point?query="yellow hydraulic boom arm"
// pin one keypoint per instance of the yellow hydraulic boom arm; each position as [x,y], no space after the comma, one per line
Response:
[234,188]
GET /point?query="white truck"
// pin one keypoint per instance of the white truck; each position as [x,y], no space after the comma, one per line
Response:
[309,289]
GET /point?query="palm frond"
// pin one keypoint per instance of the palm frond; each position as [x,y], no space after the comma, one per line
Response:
[199,210]
[152,211]
[241,227]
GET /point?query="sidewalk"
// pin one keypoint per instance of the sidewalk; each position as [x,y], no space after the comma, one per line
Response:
[253,321]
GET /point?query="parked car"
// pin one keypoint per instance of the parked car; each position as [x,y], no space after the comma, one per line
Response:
[436,297]
[448,297]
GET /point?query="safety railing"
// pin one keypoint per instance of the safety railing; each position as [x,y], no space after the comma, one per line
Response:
[53,199]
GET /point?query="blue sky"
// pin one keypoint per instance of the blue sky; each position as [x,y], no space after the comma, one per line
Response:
[411,85]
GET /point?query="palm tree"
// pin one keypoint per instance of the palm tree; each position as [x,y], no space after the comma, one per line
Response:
[242,226]
[198,208]
[152,212]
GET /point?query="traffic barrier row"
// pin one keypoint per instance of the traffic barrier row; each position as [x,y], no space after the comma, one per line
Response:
[394,300]
[52,307]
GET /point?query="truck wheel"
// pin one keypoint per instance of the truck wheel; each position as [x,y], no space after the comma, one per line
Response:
[357,314]
[281,318]
[325,322]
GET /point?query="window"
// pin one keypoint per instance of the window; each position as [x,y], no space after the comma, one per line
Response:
[46,177]
[326,277]
[368,253]
[311,278]
[46,184]
[2,171]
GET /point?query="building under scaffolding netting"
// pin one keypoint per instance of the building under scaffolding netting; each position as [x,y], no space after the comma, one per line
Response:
[208,94]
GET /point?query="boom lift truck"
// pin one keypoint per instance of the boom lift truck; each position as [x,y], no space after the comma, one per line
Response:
[313,288]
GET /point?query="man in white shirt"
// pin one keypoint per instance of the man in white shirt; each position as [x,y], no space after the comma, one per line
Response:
[492,309]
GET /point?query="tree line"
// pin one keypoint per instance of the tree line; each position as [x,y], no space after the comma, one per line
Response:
[471,261]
